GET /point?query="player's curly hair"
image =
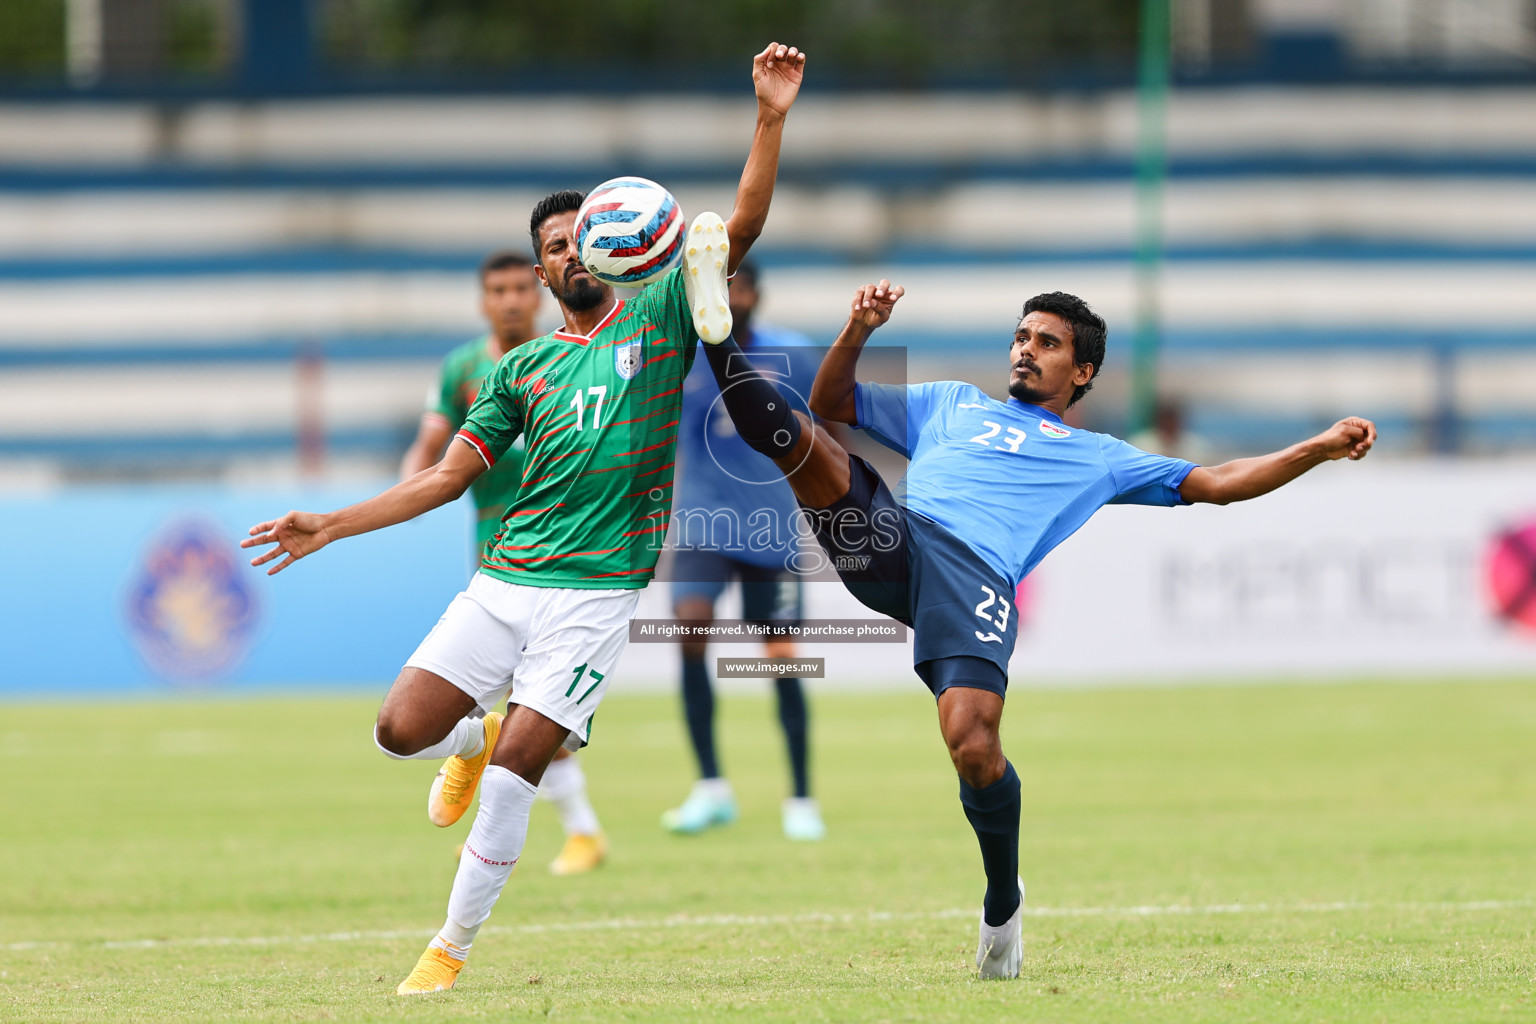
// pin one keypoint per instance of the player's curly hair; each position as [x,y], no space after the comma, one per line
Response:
[567,200]
[1088,331]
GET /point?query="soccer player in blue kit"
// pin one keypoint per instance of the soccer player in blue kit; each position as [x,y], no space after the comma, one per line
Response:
[733,518]
[991,487]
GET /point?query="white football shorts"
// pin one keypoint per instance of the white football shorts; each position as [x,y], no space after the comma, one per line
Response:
[546,648]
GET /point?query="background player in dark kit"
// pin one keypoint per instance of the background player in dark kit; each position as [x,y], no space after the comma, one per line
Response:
[733,519]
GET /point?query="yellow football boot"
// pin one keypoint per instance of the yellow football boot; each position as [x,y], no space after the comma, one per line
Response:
[453,790]
[436,971]
[581,854]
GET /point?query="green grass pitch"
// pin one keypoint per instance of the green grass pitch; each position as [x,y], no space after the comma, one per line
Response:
[1358,852]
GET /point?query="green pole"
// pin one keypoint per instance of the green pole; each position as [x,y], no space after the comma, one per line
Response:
[1151,168]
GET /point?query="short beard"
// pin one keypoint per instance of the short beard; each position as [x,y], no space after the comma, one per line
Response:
[1023,392]
[582,295]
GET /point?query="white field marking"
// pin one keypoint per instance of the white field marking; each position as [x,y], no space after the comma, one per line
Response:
[782,920]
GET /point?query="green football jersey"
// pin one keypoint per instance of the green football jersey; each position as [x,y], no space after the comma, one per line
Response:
[600,414]
[463,371]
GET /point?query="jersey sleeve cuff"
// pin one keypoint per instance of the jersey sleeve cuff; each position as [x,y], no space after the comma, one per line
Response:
[478,445]
[860,406]
[1178,481]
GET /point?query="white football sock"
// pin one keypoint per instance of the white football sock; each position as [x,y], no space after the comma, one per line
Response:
[466,739]
[717,788]
[447,947]
[565,786]
[494,844]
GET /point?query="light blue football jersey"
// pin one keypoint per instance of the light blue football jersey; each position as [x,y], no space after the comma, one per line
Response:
[1009,479]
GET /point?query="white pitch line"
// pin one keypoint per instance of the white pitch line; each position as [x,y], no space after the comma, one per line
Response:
[781,920]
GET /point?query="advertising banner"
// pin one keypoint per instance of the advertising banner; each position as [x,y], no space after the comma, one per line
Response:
[1410,568]
[146,590]
[1397,569]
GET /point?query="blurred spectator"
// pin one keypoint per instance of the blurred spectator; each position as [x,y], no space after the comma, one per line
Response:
[1169,434]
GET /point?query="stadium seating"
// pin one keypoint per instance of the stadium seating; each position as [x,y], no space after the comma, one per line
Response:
[205,279]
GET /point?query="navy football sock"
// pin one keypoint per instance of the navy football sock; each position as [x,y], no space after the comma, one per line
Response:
[762,416]
[699,710]
[795,719]
[994,813]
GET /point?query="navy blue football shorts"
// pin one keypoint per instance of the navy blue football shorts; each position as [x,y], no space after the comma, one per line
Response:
[902,564]
[769,596]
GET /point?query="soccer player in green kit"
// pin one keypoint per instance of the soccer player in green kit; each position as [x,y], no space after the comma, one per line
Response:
[548,613]
[509,301]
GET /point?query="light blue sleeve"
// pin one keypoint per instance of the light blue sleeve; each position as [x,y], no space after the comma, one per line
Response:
[1142,478]
[895,414]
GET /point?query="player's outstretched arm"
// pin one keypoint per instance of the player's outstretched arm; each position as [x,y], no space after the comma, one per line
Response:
[303,533]
[776,76]
[832,392]
[1242,479]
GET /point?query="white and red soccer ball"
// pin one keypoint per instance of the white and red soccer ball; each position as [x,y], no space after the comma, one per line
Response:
[629,232]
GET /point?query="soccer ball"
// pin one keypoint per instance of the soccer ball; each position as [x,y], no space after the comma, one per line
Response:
[629,232]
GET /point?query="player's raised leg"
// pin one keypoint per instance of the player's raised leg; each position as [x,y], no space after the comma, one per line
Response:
[427,718]
[560,646]
[462,669]
[816,466]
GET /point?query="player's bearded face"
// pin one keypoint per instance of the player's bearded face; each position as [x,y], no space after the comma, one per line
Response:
[1042,363]
[1028,380]
[572,284]
[579,290]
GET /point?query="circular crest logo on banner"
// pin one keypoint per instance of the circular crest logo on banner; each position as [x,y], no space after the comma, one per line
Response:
[190,610]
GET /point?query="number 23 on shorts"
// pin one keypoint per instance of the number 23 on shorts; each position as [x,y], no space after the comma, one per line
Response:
[1000,620]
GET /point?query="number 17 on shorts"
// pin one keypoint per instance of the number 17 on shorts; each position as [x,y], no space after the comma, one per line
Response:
[556,647]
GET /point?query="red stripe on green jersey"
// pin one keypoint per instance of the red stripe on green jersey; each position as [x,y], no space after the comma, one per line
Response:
[480,447]
[588,406]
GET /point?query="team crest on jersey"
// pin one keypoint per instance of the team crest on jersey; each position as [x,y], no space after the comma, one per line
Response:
[1050,429]
[626,359]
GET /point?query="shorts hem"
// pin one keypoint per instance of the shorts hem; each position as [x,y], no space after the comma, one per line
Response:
[966,684]
[953,671]
[447,673]
[533,703]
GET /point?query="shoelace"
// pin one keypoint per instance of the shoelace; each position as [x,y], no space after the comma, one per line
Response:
[456,779]
[434,970]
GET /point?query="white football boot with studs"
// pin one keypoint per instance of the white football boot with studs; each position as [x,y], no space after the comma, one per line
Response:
[706,262]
